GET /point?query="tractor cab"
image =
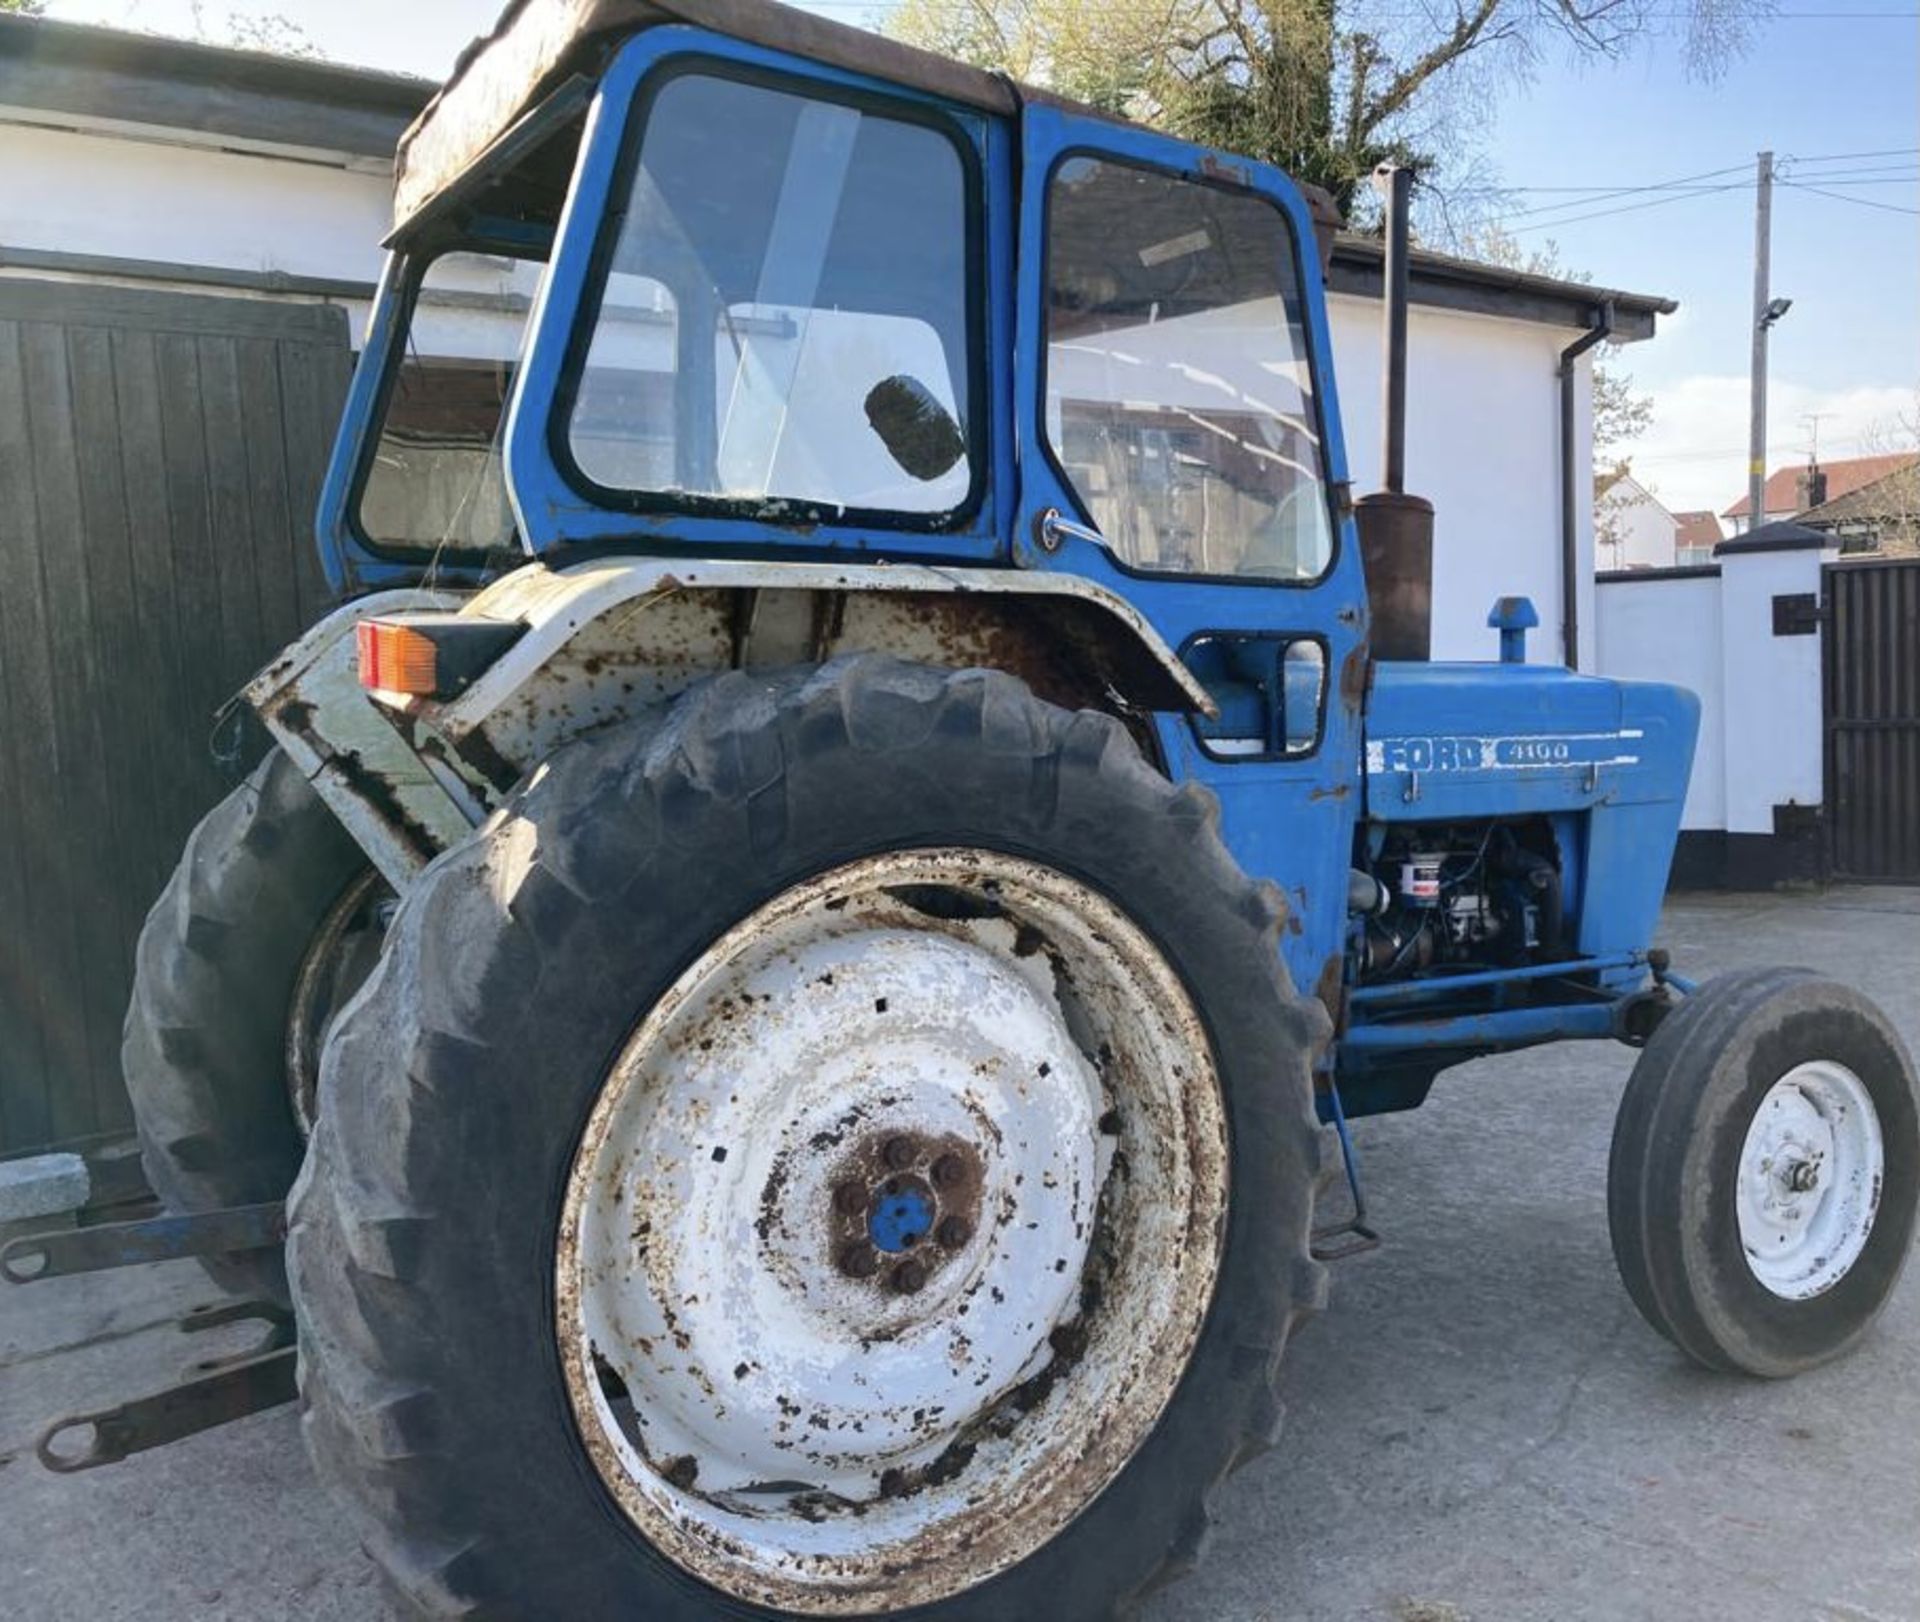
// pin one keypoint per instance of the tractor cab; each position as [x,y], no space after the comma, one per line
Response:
[758,292]
[817,344]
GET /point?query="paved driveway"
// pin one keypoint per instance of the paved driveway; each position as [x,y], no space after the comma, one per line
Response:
[1480,1427]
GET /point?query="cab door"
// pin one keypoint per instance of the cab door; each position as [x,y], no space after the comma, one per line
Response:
[1180,443]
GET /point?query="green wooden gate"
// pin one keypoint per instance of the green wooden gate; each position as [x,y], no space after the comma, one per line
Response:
[160,460]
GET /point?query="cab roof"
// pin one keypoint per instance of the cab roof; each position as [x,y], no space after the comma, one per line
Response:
[538,45]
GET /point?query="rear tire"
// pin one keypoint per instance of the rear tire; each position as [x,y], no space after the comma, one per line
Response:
[1765,1172]
[430,1257]
[205,1046]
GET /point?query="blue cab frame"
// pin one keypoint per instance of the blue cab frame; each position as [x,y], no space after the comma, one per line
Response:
[1290,817]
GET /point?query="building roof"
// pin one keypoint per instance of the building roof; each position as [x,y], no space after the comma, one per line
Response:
[1621,485]
[1782,491]
[1697,528]
[1892,495]
[58,72]
[1782,535]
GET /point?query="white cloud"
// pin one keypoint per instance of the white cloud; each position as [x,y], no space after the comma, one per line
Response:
[1695,452]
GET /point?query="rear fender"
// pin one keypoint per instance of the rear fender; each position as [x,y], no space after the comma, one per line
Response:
[399,809]
[606,639]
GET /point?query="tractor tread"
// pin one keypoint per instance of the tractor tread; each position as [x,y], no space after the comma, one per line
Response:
[529,906]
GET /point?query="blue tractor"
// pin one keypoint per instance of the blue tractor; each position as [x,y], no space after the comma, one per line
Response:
[815,923]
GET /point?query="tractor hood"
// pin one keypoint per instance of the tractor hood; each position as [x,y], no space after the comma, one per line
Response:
[1473,740]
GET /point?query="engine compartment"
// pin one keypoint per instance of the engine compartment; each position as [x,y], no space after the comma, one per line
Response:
[1434,899]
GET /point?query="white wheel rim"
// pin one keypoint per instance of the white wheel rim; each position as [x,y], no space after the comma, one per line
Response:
[1810,1175]
[797,1434]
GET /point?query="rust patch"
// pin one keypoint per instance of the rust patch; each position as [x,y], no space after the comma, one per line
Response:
[477,750]
[1331,989]
[367,785]
[1215,168]
[1356,670]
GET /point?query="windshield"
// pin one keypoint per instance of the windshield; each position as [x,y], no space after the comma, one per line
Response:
[785,318]
[1179,398]
[436,482]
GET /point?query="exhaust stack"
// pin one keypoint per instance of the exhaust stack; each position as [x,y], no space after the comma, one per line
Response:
[1396,529]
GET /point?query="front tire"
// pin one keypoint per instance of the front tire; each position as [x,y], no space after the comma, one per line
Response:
[1765,1172]
[592,1322]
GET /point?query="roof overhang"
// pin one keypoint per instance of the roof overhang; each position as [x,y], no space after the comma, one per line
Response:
[74,75]
[1443,282]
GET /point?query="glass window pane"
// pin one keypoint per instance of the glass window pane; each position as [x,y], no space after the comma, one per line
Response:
[436,481]
[809,259]
[1179,399]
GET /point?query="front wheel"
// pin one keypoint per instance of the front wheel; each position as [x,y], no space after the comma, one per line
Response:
[840,1150]
[1765,1172]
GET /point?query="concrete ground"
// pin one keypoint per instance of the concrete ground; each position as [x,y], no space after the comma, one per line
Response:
[1479,1428]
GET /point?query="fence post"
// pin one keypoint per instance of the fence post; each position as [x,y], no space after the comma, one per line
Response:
[1770,648]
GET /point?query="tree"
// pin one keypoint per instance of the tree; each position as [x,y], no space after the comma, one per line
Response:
[272,33]
[23,8]
[1326,89]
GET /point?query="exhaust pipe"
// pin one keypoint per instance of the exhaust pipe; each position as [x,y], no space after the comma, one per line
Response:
[1396,529]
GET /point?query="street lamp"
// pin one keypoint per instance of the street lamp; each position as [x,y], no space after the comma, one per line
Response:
[1774,310]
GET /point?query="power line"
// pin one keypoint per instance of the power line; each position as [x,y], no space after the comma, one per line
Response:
[1858,202]
[1836,157]
[1631,208]
[1606,195]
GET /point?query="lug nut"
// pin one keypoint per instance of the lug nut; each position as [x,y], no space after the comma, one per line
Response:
[908,1277]
[859,1261]
[849,1199]
[953,1232]
[948,1170]
[899,1153]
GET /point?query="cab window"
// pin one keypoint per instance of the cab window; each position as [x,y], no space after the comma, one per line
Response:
[783,322]
[434,482]
[1179,397]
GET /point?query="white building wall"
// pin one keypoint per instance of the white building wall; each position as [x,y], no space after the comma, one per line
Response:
[1642,531]
[1483,445]
[85,193]
[1669,630]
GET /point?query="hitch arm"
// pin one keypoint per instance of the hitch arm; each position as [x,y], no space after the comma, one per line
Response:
[241,1388]
[36,1256]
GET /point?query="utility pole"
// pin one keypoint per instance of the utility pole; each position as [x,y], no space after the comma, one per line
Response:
[1763,318]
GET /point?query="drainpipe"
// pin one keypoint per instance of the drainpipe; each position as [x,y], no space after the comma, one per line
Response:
[1569,474]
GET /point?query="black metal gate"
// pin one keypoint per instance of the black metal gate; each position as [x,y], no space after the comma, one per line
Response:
[1873,718]
[160,458]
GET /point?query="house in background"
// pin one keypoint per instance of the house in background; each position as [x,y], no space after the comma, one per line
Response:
[1791,491]
[1699,533]
[1631,529]
[1879,517]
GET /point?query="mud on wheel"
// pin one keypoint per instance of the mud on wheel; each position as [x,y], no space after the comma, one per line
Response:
[845,1147]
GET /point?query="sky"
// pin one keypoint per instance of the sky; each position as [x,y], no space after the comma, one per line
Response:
[1832,87]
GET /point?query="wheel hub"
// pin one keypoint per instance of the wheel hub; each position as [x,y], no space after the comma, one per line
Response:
[1809,1182]
[904,1205]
